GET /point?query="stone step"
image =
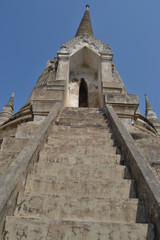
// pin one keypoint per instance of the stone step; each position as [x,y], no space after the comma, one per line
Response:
[80,118]
[80,142]
[80,138]
[80,209]
[110,160]
[87,150]
[82,172]
[88,131]
[26,130]
[34,229]
[78,135]
[89,188]
[83,110]
[82,124]
[13,144]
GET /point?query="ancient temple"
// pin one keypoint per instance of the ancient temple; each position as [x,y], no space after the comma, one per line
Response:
[79,160]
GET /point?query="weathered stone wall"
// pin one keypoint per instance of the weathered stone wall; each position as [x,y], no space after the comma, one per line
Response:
[149,145]
[90,76]
[46,92]
[147,183]
[14,178]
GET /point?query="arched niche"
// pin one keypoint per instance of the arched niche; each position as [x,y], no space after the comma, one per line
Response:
[84,64]
[83,94]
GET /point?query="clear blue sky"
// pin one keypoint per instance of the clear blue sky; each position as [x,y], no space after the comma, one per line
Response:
[32,31]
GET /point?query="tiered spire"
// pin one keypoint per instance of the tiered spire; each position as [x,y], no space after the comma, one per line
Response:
[151,115]
[7,111]
[85,26]
[10,102]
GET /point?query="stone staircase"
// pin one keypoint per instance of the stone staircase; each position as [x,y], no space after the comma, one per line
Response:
[79,187]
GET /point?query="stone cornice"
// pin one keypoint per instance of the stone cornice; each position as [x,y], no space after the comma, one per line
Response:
[78,42]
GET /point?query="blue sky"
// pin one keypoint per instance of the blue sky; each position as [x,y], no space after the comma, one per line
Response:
[32,31]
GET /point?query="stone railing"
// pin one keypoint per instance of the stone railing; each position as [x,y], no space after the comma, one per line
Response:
[15,177]
[148,187]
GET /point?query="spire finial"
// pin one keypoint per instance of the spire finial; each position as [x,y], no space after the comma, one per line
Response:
[149,113]
[10,102]
[13,94]
[7,111]
[148,106]
[87,7]
[85,26]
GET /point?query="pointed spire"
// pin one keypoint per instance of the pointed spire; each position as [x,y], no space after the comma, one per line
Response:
[148,106]
[138,110]
[10,102]
[85,25]
[149,113]
[7,111]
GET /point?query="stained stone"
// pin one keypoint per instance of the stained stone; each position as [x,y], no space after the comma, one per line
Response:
[78,160]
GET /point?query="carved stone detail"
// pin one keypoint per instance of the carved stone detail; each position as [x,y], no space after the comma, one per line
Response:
[95,44]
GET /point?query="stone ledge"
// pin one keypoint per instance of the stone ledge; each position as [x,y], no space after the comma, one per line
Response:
[122,98]
[112,87]
[147,184]
[15,177]
[125,105]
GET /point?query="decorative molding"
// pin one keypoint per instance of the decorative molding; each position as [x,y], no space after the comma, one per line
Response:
[94,43]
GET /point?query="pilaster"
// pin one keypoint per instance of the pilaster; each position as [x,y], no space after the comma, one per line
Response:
[63,65]
[106,67]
